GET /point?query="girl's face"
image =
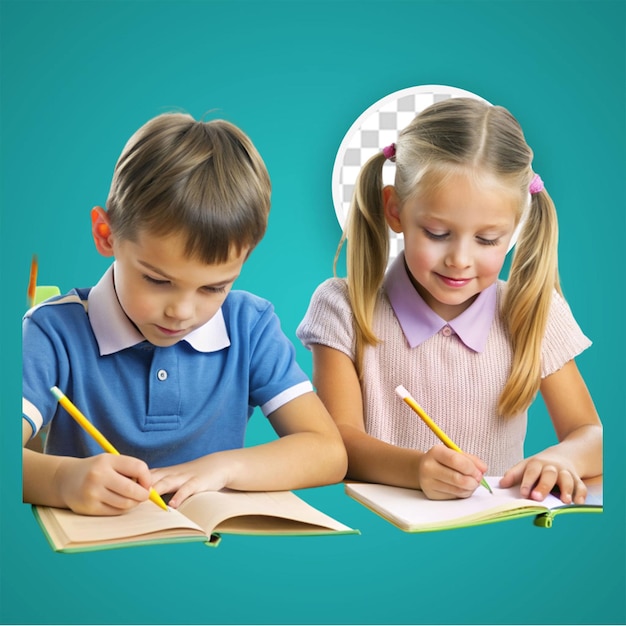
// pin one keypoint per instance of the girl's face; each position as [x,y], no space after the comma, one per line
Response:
[455,240]
[165,293]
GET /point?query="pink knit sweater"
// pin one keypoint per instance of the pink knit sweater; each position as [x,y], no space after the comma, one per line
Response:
[457,387]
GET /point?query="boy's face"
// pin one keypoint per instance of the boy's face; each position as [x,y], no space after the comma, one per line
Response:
[165,293]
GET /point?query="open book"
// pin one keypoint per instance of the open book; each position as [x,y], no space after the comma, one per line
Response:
[411,511]
[202,517]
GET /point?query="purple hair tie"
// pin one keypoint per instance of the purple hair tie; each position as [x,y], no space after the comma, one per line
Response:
[390,152]
[536,184]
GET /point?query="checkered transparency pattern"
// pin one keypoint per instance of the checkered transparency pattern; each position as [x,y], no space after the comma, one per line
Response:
[376,128]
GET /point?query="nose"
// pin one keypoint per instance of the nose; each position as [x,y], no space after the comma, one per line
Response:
[458,254]
[180,309]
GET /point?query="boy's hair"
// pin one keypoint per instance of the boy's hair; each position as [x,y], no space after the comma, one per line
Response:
[469,136]
[204,179]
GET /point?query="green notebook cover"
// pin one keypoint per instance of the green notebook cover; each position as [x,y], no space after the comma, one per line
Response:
[411,511]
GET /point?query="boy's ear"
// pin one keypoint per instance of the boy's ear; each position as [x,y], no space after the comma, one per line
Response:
[101,231]
[392,208]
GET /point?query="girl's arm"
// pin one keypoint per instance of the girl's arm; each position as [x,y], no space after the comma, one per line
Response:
[441,473]
[308,453]
[578,454]
[100,485]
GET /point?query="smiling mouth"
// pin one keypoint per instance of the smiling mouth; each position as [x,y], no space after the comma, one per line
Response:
[454,282]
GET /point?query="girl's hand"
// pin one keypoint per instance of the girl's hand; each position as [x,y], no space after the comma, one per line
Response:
[208,473]
[106,484]
[445,474]
[539,474]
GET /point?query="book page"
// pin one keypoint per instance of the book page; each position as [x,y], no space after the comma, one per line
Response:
[411,509]
[66,527]
[257,513]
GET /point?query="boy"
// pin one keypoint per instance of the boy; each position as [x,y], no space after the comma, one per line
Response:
[160,355]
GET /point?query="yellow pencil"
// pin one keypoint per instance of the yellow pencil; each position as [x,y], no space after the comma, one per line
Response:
[408,398]
[104,443]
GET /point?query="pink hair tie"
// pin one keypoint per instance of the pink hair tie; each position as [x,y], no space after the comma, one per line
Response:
[536,184]
[390,152]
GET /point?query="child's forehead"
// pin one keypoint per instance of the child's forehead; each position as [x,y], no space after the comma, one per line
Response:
[463,197]
[166,259]
[177,245]
[470,176]
[452,186]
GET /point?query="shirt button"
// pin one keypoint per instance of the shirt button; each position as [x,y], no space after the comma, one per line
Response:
[447,331]
[162,375]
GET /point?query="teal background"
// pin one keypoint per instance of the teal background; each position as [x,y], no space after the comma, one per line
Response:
[79,77]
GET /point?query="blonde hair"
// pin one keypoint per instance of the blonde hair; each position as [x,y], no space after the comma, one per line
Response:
[205,179]
[461,134]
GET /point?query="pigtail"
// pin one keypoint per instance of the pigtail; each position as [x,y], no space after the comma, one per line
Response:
[367,252]
[531,283]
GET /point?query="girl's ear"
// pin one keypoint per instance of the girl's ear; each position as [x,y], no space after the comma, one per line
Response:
[101,231]
[392,208]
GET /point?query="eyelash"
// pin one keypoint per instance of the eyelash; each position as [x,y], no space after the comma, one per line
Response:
[221,289]
[161,283]
[442,237]
[434,236]
[155,281]
[488,242]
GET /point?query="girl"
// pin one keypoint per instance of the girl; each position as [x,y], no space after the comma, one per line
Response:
[471,349]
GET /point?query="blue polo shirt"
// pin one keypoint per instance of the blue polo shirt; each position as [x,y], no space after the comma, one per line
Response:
[162,405]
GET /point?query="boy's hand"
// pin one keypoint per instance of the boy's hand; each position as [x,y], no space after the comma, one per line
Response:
[106,484]
[539,474]
[208,473]
[445,474]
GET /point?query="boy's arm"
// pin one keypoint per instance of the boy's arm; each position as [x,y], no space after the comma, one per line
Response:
[101,485]
[309,452]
